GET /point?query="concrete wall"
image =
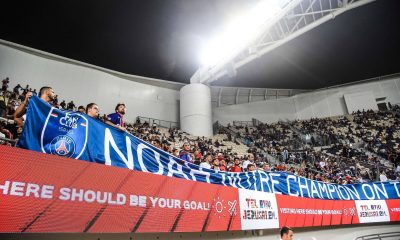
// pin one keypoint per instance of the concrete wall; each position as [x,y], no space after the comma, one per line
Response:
[360,101]
[322,103]
[265,111]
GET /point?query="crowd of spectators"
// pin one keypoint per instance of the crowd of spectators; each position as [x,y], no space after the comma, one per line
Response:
[380,131]
[10,101]
[267,147]
[351,145]
[326,131]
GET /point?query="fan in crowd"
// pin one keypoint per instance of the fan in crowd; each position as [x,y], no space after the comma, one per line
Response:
[117,119]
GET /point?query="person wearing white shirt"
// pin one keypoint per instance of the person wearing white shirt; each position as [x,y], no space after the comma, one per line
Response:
[383,177]
[250,160]
[322,164]
[206,162]
[398,169]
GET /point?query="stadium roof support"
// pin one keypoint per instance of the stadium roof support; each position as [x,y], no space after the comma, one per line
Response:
[294,19]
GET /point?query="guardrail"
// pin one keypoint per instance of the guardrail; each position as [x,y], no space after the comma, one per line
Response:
[256,122]
[159,122]
[11,141]
[6,120]
[380,236]
[243,123]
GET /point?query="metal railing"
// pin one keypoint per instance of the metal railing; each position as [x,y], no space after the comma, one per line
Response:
[299,139]
[256,122]
[243,123]
[7,140]
[159,122]
[380,236]
[6,120]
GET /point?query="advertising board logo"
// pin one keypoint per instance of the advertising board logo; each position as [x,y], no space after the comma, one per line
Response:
[221,209]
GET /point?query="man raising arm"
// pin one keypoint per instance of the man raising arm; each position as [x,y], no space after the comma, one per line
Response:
[45,93]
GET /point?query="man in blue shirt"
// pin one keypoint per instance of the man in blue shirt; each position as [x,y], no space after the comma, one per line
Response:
[185,153]
[117,119]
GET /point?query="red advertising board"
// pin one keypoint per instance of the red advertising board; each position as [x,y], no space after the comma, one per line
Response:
[46,193]
[394,209]
[302,212]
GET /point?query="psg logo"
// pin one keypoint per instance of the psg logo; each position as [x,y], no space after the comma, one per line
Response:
[62,146]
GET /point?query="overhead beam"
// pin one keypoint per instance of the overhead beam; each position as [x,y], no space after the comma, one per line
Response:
[210,74]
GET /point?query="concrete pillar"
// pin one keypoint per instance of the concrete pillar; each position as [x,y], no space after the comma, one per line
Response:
[195,109]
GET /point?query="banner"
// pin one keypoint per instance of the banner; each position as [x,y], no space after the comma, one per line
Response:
[76,135]
[46,193]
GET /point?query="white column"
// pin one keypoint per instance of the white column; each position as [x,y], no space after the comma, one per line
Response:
[195,109]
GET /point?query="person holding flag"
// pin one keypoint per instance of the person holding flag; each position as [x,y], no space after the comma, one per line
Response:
[46,94]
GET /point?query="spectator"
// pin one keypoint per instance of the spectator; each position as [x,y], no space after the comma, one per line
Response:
[4,85]
[46,94]
[250,160]
[71,106]
[166,146]
[117,119]
[236,167]
[175,152]
[397,171]
[157,143]
[81,109]
[286,233]
[92,110]
[216,165]
[266,167]
[197,157]
[3,104]
[251,167]
[383,177]
[5,132]
[55,101]
[206,162]
[16,89]
[63,104]
[222,165]
[12,105]
[25,90]
[285,155]
[185,153]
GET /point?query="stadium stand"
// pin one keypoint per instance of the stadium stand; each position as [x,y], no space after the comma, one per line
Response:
[342,149]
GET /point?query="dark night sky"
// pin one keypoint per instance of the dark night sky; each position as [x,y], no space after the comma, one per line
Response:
[162,39]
